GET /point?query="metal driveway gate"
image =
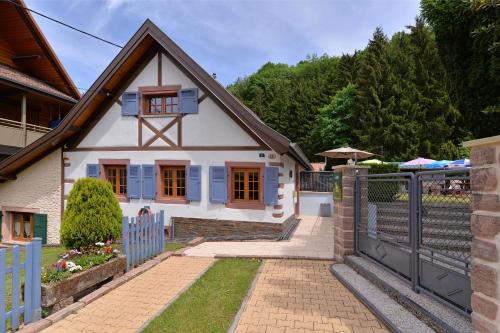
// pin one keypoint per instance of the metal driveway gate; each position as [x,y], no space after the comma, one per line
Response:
[418,227]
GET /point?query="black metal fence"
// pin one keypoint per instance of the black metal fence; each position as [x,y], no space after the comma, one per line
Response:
[316,181]
[418,226]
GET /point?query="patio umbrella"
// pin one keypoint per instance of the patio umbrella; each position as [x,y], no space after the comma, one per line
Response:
[347,153]
[417,163]
[459,164]
[438,164]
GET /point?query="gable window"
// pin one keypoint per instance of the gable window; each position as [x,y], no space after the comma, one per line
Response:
[117,176]
[245,186]
[173,180]
[22,226]
[162,104]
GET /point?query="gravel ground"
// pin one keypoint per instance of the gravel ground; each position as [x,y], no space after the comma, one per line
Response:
[402,319]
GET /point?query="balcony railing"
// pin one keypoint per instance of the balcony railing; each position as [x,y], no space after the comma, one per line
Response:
[315,181]
[29,127]
[12,133]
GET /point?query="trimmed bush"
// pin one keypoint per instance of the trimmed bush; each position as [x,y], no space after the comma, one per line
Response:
[92,214]
[383,191]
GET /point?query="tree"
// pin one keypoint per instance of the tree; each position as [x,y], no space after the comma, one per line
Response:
[92,214]
[468,38]
[334,123]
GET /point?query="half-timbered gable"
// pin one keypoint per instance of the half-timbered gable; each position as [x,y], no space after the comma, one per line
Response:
[168,136]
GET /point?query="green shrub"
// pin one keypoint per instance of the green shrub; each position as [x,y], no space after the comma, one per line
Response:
[383,168]
[92,214]
[383,190]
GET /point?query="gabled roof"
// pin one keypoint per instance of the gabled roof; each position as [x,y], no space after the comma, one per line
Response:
[147,40]
[20,79]
[24,48]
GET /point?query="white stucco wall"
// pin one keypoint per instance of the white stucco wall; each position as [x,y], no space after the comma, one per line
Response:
[310,201]
[203,209]
[37,187]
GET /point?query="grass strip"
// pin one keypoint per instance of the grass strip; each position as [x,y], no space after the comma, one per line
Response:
[211,303]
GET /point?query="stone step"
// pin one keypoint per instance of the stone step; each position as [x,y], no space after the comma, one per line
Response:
[434,314]
[394,315]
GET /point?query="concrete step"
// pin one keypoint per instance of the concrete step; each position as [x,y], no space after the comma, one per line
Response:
[428,310]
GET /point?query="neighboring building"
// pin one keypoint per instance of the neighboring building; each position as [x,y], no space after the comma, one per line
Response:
[318,166]
[168,136]
[35,90]
[35,94]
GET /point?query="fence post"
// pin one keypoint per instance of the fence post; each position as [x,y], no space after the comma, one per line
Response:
[357,213]
[125,240]
[28,282]
[162,231]
[16,286]
[133,252]
[415,194]
[36,299]
[3,263]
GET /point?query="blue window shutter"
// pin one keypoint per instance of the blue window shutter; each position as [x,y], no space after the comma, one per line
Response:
[130,104]
[218,184]
[92,170]
[193,182]
[271,184]
[134,181]
[148,181]
[189,100]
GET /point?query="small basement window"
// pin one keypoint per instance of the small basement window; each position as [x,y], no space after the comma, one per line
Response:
[22,226]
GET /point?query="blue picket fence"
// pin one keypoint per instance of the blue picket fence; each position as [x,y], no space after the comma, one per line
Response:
[31,308]
[142,238]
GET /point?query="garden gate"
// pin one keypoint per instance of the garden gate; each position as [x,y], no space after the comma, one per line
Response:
[417,226]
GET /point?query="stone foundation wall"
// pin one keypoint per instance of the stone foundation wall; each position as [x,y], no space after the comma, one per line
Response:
[188,228]
[485,226]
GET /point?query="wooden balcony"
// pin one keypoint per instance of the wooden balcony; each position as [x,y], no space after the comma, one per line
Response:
[15,134]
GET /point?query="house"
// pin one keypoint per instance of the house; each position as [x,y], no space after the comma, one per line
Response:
[35,94]
[166,135]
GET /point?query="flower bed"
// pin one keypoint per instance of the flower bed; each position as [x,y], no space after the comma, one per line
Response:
[78,273]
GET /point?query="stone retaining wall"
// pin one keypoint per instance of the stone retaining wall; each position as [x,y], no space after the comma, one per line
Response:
[188,228]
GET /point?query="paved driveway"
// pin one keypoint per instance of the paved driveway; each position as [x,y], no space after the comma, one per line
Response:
[303,296]
[313,238]
[130,306]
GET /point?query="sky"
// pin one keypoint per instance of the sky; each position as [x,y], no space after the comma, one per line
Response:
[232,38]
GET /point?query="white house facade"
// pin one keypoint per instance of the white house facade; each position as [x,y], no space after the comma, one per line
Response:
[167,136]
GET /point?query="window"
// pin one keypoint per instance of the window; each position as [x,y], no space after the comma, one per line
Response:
[173,182]
[22,226]
[162,104]
[246,184]
[117,176]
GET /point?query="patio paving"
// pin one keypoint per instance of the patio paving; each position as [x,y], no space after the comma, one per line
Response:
[313,239]
[130,306]
[303,296]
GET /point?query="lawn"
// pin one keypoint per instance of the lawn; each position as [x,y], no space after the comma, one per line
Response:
[211,303]
[439,198]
